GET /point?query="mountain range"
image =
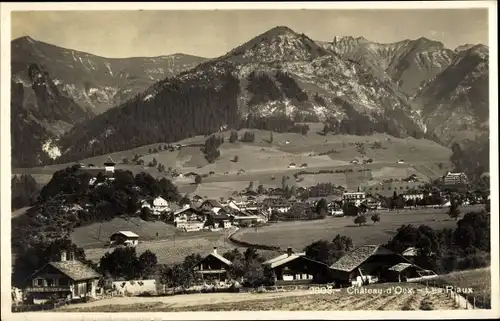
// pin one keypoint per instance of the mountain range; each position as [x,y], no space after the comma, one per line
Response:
[274,81]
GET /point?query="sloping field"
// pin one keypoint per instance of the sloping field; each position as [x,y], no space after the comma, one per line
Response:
[394,173]
[313,179]
[299,234]
[264,158]
[479,280]
[413,297]
[97,234]
[170,246]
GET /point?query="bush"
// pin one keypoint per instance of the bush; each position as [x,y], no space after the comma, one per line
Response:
[361,219]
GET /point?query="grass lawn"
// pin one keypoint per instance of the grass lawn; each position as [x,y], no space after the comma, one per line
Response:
[170,246]
[299,234]
[478,279]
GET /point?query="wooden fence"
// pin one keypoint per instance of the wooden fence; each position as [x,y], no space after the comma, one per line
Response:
[469,300]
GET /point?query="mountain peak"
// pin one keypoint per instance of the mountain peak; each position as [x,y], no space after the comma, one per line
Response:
[277,44]
[280,30]
[426,42]
[24,39]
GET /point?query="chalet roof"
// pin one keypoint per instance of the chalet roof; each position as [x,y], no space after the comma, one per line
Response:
[400,267]
[220,258]
[221,217]
[352,260]
[75,270]
[109,161]
[127,234]
[454,174]
[282,259]
[411,251]
[182,210]
[213,203]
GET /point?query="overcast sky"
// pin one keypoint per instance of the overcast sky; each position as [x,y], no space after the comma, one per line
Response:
[213,33]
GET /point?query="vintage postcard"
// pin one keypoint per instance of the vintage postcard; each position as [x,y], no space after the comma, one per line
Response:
[201,160]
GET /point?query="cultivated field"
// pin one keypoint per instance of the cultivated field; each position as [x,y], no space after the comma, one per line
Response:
[299,234]
[261,161]
[414,297]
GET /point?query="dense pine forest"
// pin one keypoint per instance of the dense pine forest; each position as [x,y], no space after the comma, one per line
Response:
[177,111]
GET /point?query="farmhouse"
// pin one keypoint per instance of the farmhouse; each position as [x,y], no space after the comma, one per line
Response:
[296,268]
[211,206]
[188,219]
[64,279]
[365,264]
[221,220]
[213,267]
[109,165]
[160,205]
[124,238]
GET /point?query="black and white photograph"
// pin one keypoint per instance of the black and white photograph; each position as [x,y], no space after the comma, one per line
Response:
[282,157]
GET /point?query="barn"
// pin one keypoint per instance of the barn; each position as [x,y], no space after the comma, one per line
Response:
[296,268]
[368,264]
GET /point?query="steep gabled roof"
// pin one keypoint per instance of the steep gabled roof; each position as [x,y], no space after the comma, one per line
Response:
[109,161]
[213,203]
[127,234]
[355,258]
[75,270]
[218,257]
[282,259]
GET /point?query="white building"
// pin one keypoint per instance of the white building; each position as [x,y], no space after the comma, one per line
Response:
[413,196]
[455,178]
[160,205]
[354,197]
[109,166]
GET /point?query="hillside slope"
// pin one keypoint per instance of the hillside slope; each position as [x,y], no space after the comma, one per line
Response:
[455,104]
[54,88]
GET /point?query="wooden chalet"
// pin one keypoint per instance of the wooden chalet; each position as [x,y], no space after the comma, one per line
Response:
[64,279]
[213,267]
[124,238]
[296,268]
[211,205]
[367,264]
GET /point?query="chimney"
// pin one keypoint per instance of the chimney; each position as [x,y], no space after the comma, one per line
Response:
[289,251]
[215,249]
[63,256]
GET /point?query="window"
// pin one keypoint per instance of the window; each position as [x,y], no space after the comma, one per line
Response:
[39,282]
[50,282]
[63,282]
